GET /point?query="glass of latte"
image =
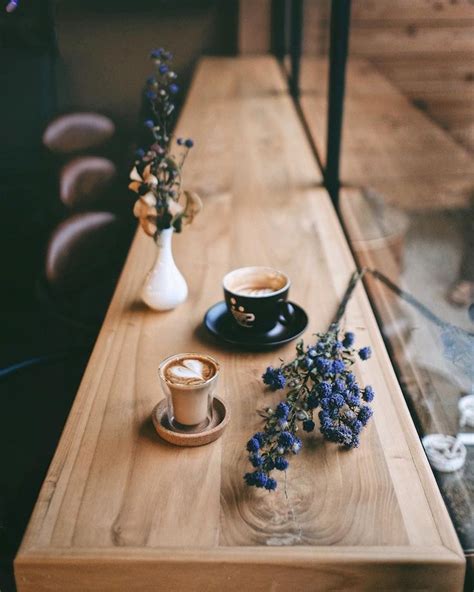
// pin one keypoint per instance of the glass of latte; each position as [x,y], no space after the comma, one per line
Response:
[189,383]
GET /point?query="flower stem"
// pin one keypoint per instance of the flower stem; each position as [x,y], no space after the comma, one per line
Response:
[356,276]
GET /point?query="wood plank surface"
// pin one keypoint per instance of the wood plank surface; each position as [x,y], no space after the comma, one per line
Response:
[388,144]
[443,88]
[438,75]
[378,26]
[425,48]
[385,28]
[394,11]
[121,510]
[415,40]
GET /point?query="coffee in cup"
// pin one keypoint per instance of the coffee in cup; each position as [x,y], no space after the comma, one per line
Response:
[189,382]
[257,297]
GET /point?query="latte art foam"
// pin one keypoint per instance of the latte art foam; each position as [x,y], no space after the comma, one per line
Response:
[255,282]
[254,291]
[189,371]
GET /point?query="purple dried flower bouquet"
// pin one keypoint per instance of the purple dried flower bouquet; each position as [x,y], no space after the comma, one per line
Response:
[318,380]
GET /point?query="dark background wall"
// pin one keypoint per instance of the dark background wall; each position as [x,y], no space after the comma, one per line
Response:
[84,55]
[104,47]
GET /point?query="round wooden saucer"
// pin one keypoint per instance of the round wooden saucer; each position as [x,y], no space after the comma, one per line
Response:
[219,421]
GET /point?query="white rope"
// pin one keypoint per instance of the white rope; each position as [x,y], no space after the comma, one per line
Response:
[466,409]
[445,453]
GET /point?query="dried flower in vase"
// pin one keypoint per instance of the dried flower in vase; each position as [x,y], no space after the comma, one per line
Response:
[157,174]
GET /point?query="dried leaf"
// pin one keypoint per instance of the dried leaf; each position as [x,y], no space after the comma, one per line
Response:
[193,206]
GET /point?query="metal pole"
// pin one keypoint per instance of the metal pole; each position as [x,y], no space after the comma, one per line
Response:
[339,45]
[278,37]
[296,45]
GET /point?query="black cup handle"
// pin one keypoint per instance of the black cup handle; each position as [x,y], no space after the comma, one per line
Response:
[287,312]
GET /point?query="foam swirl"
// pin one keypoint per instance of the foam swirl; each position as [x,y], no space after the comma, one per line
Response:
[188,371]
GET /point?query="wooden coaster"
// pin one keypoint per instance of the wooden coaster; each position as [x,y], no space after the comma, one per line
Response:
[219,421]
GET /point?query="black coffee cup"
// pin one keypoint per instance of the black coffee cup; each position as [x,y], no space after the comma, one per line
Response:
[256,297]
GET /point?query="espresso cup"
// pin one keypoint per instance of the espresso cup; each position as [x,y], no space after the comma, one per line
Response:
[189,382]
[256,297]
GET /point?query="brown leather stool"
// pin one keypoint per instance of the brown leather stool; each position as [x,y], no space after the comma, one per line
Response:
[83,259]
[78,247]
[85,180]
[78,132]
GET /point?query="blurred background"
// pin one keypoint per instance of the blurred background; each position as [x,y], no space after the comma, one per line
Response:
[71,79]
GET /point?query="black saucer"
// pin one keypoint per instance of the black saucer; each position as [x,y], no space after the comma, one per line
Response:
[219,322]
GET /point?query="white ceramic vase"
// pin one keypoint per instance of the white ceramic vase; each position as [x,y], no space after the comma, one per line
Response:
[165,287]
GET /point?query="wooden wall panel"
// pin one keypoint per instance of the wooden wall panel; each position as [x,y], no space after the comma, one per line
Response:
[400,10]
[415,40]
[254,26]
[443,88]
[425,47]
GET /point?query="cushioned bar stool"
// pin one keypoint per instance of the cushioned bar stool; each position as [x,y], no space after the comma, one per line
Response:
[85,251]
[85,181]
[78,132]
[82,261]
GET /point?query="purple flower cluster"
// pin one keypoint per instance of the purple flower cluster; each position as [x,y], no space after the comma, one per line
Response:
[159,91]
[319,377]
[12,5]
[274,378]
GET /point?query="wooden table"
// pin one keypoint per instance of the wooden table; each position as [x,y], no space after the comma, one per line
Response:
[121,510]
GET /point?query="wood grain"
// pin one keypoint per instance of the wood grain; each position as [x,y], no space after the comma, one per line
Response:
[394,11]
[385,28]
[415,40]
[379,27]
[443,88]
[425,48]
[388,144]
[122,511]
